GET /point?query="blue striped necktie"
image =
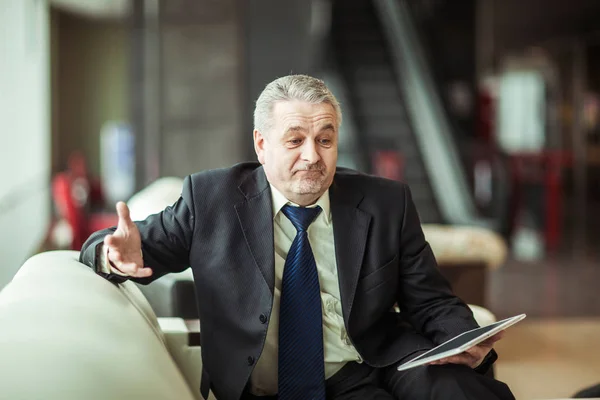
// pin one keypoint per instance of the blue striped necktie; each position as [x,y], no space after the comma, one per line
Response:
[301,360]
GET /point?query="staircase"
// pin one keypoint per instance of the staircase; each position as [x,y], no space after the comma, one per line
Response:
[380,115]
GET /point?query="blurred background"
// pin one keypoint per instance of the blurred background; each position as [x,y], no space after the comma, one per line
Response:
[488,109]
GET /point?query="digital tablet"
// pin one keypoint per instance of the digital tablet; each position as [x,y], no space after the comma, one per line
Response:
[460,343]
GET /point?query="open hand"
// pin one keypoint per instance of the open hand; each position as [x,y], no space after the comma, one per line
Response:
[125,246]
[474,356]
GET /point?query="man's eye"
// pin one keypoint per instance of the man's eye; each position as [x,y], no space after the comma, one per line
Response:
[325,141]
[295,141]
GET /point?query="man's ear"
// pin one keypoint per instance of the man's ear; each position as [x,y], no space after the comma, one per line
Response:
[259,146]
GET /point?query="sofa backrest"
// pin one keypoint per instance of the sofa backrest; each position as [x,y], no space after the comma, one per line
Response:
[66,333]
[155,197]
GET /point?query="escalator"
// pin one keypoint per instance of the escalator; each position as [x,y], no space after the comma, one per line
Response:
[396,107]
[378,106]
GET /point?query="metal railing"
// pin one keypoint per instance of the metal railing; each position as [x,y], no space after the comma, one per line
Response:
[432,128]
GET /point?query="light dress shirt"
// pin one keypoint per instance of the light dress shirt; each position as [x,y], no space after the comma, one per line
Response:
[338,348]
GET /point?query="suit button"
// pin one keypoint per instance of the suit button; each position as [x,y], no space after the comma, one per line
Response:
[250,360]
[263,318]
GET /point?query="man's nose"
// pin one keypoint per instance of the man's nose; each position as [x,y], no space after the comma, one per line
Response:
[310,153]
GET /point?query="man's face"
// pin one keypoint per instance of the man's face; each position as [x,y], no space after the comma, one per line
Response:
[299,153]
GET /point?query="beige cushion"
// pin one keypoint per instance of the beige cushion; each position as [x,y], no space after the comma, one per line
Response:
[69,334]
[155,197]
[483,316]
[463,244]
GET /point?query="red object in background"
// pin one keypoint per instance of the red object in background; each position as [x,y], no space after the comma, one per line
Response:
[545,168]
[75,213]
[75,195]
[77,167]
[389,164]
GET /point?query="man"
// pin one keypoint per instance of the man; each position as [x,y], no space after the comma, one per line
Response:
[298,266]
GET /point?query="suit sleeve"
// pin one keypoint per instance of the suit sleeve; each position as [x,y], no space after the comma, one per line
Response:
[424,294]
[166,240]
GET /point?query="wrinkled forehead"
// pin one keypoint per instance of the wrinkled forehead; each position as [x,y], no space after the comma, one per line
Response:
[299,115]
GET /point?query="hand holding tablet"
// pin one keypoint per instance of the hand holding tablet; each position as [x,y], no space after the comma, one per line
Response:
[474,356]
[461,343]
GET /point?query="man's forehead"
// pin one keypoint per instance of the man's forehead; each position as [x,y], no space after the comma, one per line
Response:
[292,129]
[302,108]
[291,116]
[302,123]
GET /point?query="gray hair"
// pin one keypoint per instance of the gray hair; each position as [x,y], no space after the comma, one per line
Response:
[288,88]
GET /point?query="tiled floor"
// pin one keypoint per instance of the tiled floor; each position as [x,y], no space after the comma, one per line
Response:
[548,359]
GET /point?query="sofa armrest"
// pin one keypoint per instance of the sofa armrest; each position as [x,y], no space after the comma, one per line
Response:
[182,338]
[81,337]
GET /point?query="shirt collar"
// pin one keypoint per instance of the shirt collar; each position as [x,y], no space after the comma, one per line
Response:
[279,200]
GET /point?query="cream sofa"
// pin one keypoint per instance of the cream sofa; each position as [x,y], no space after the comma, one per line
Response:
[66,333]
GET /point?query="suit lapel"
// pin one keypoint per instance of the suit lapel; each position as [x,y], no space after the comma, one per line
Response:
[255,215]
[350,231]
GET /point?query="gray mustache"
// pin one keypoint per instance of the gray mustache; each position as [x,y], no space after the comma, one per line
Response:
[312,167]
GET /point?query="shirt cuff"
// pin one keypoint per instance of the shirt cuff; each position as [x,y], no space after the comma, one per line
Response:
[103,264]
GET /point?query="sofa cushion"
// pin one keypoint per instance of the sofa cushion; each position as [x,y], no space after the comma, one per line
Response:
[460,245]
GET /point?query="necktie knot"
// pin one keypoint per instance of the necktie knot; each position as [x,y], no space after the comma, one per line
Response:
[301,217]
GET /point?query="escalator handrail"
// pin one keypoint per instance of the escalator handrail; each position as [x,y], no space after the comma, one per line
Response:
[432,128]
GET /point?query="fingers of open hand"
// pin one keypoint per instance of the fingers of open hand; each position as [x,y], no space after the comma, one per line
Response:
[127,234]
[134,270]
[115,242]
[124,218]
[125,260]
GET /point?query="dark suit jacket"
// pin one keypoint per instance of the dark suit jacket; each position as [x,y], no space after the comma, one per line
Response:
[222,227]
